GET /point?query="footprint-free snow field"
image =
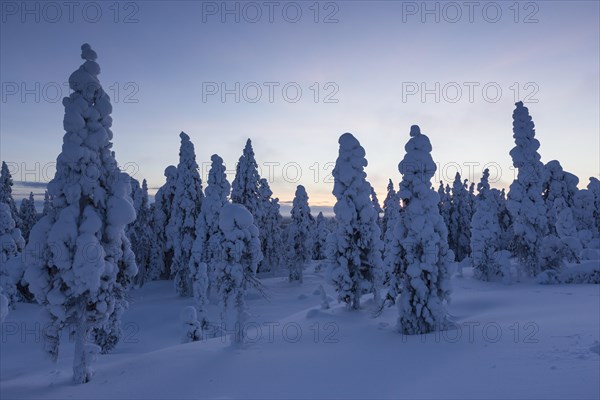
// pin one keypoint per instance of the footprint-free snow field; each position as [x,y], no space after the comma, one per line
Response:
[509,341]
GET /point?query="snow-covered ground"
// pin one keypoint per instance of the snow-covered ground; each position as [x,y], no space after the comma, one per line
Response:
[520,341]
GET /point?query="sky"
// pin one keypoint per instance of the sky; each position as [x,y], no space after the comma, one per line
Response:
[294,76]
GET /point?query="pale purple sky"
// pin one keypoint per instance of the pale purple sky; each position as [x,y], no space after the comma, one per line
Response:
[160,60]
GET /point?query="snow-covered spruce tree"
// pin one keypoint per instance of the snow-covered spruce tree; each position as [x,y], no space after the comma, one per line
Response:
[300,239]
[376,205]
[244,189]
[186,208]
[28,215]
[584,212]
[422,234]
[163,205]
[391,217]
[594,188]
[485,232]
[566,230]
[79,256]
[270,228]
[355,257]
[557,184]
[505,219]
[564,243]
[459,230]
[47,204]
[141,235]
[155,267]
[445,204]
[312,231]
[11,246]
[207,251]
[237,269]
[6,184]
[136,194]
[525,201]
[321,237]
[472,198]
[391,207]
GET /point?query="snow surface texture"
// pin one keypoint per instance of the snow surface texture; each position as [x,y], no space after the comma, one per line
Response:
[3,306]
[423,256]
[497,349]
[355,247]
[79,261]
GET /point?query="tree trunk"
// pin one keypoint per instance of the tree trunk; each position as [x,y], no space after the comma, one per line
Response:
[81,371]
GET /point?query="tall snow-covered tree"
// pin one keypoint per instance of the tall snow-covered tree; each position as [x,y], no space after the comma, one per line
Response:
[557,184]
[424,254]
[28,215]
[207,252]
[472,197]
[237,269]
[11,247]
[163,206]
[136,193]
[141,235]
[300,239]
[79,256]
[485,232]
[187,203]
[376,205]
[270,228]
[563,244]
[320,239]
[391,207]
[355,255]
[594,187]
[505,219]
[391,217]
[47,204]
[6,197]
[445,204]
[525,201]
[459,230]
[244,189]
[584,209]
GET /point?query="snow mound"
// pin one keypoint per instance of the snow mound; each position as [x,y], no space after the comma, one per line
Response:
[585,272]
